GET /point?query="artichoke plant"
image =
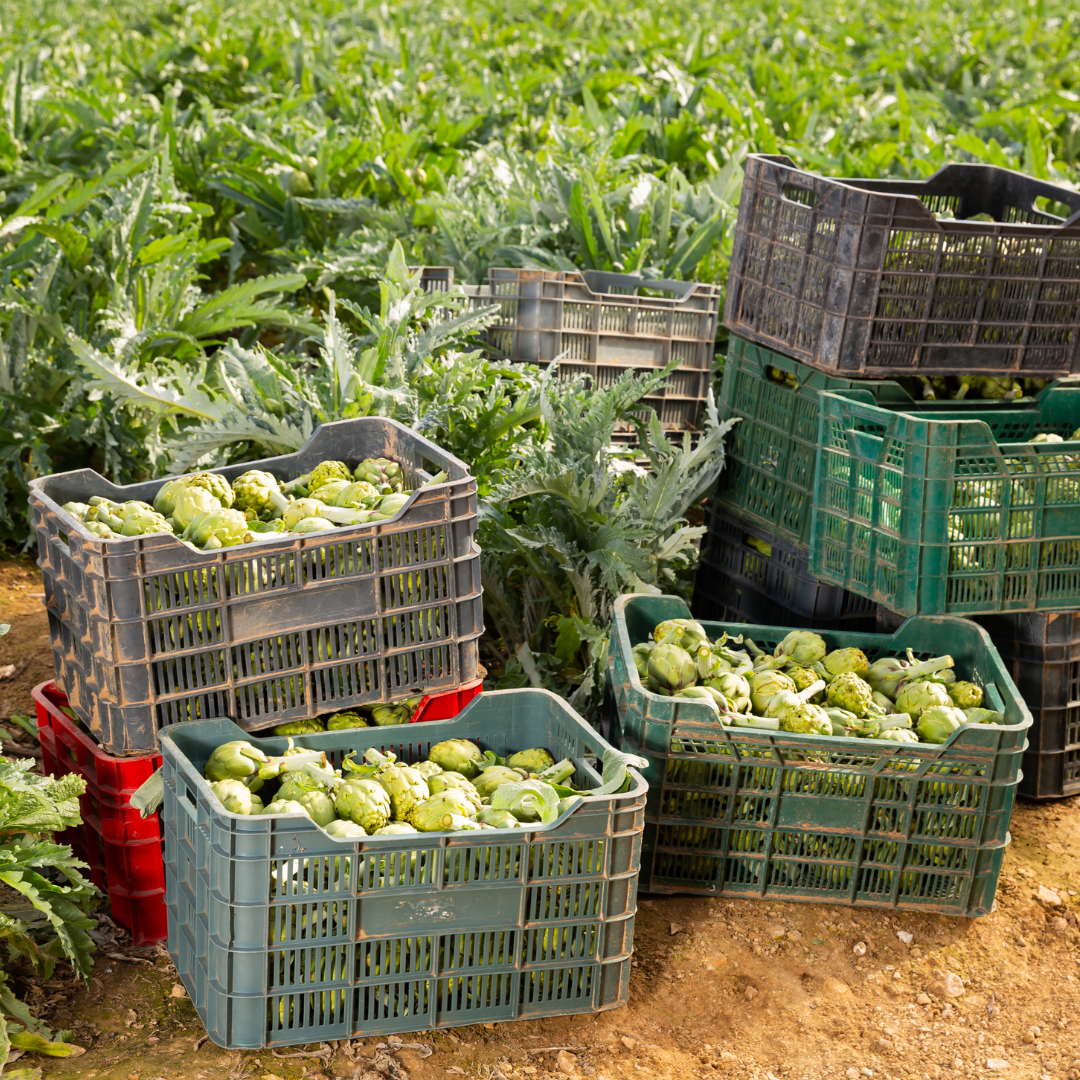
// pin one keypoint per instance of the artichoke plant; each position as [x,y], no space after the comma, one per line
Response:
[938,722]
[300,727]
[441,811]
[847,691]
[917,696]
[764,685]
[458,755]
[364,801]
[257,495]
[672,668]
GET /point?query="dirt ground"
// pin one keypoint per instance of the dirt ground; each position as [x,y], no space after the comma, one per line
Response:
[750,991]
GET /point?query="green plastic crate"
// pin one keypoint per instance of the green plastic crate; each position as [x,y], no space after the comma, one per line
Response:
[284,935]
[954,513]
[779,815]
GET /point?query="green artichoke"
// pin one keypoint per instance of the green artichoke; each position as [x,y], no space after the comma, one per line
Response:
[983,716]
[938,722]
[889,674]
[848,691]
[841,660]
[258,494]
[842,721]
[234,795]
[144,523]
[237,760]
[966,695]
[329,490]
[389,505]
[801,677]
[216,485]
[532,761]
[915,697]
[898,735]
[494,776]
[406,787]
[735,689]
[672,668]
[325,470]
[689,634]
[641,658]
[397,712]
[296,511]
[498,819]
[801,647]
[300,727]
[165,499]
[76,509]
[318,806]
[344,830]
[284,806]
[343,721]
[100,529]
[796,713]
[765,684]
[363,801]
[395,828]
[458,755]
[190,502]
[312,525]
[438,813]
[359,495]
[382,473]
[217,529]
[428,769]
[451,781]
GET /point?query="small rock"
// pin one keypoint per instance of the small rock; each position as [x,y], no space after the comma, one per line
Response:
[566,1062]
[777,931]
[628,1042]
[489,1027]
[957,1063]
[866,1072]
[716,961]
[922,998]
[896,974]
[1045,896]
[727,1055]
[852,1074]
[795,935]
[1059,925]
[835,986]
[1031,1035]
[947,983]
[1055,848]
[881,1046]
[751,993]
[676,928]
[859,948]
[177,991]
[130,1016]
[996,1064]
[905,937]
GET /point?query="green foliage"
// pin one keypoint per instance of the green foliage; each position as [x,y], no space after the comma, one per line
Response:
[43,907]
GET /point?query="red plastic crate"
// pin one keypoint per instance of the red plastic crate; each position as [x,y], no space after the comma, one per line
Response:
[122,848]
[447,705]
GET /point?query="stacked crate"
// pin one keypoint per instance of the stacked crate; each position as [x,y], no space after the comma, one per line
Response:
[839,288]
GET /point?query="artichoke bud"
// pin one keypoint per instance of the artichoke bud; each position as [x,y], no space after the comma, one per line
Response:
[364,801]
[236,760]
[284,806]
[802,677]
[937,723]
[984,716]
[343,721]
[532,761]
[498,819]
[494,777]
[100,529]
[344,830]
[428,769]
[300,727]
[700,693]
[966,695]
[432,815]
[359,495]
[898,735]
[841,660]
[143,523]
[672,667]
[190,503]
[735,689]
[167,494]
[395,828]
[216,485]
[234,795]
[848,691]
[329,490]
[312,525]
[458,755]
[257,495]
[842,721]
[914,697]
[765,684]
[692,635]
[318,806]
[801,647]
[641,658]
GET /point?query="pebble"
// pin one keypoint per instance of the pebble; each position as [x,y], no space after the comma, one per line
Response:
[905,937]
[852,1074]
[716,961]
[751,993]
[957,1063]
[835,986]
[628,1042]
[947,983]
[1059,925]
[859,948]
[676,928]
[996,1064]
[566,1062]
[794,935]
[177,991]
[1031,1034]
[922,998]
[1046,896]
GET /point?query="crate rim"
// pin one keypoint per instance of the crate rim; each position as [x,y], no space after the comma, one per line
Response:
[183,763]
[619,622]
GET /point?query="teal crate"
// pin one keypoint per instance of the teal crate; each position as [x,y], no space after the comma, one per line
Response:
[284,935]
[954,513]
[779,815]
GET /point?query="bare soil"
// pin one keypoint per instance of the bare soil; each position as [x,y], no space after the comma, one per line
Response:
[726,989]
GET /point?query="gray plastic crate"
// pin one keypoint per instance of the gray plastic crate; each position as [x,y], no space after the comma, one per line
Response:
[608,324]
[147,633]
[284,935]
[890,277]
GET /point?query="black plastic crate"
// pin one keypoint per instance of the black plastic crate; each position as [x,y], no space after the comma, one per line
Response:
[1042,652]
[882,278]
[750,575]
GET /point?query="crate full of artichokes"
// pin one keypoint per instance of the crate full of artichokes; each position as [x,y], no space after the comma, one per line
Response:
[361,882]
[831,766]
[279,590]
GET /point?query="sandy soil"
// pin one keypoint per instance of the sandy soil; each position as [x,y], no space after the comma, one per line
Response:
[750,991]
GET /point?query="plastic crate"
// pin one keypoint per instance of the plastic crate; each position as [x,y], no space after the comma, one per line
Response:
[607,325]
[950,512]
[284,935]
[747,574]
[284,629]
[1042,653]
[871,278]
[122,849]
[779,815]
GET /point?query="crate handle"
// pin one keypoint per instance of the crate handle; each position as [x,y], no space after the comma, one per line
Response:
[804,196]
[863,444]
[997,702]
[600,281]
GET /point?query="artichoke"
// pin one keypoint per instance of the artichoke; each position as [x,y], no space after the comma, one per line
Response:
[841,660]
[801,677]
[397,712]
[450,781]
[296,511]
[343,721]
[532,761]
[76,509]
[938,722]
[428,769]
[917,696]
[983,716]
[344,830]
[359,495]
[458,755]
[145,522]
[498,819]
[712,698]
[312,525]
[329,490]
[898,735]
[325,470]
[258,495]
[766,684]
[888,675]
[190,502]
[395,828]
[216,485]
[406,787]
[165,499]
[389,505]
[284,806]
[234,795]
[801,647]
[440,812]
[641,658]
[842,721]
[494,776]
[735,689]
[300,727]
[688,634]
[237,760]
[384,474]
[217,529]
[795,712]
[672,668]
[966,695]
[848,691]
[100,529]
[318,806]
[363,801]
